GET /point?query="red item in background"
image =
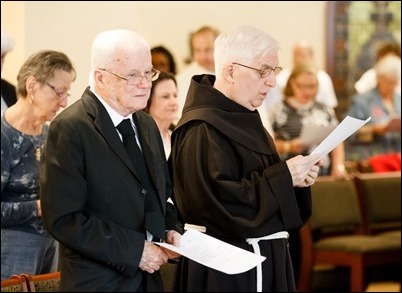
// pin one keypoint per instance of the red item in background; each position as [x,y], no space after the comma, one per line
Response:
[386,162]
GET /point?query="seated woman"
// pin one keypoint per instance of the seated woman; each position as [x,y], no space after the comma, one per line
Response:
[300,109]
[382,104]
[162,106]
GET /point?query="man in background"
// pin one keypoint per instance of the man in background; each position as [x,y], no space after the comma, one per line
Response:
[202,60]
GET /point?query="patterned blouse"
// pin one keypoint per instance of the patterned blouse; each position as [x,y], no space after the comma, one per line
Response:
[287,123]
[20,155]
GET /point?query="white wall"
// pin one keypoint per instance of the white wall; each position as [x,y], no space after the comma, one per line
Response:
[70,26]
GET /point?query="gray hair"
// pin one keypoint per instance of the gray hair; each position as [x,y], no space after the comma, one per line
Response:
[109,45]
[389,65]
[43,64]
[7,43]
[243,44]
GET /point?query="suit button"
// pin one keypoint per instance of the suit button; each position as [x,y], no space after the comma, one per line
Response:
[144,191]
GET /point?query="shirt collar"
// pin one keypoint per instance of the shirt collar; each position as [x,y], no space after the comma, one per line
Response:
[116,117]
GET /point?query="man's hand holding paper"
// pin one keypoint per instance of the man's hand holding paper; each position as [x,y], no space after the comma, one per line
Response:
[304,169]
[172,237]
[215,253]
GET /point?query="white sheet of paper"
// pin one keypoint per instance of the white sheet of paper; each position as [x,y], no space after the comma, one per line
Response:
[314,134]
[346,128]
[214,253]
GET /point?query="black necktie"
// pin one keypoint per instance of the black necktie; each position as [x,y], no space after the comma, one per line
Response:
[133,150]
[154,221]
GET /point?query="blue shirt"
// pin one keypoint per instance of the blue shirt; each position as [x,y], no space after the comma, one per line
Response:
[371,104]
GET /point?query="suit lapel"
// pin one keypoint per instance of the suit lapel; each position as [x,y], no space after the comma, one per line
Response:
[105,126]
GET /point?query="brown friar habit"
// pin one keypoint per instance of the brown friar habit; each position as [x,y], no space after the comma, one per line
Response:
[228,177]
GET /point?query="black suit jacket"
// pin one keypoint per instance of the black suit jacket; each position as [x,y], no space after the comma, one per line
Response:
[93,201]
[8,92]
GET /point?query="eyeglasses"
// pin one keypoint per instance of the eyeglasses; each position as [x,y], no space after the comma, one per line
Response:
[265,71]
[61,95]
[135,79]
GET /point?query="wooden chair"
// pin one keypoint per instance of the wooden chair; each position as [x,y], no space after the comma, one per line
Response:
[380,202]
[46,282]
[333,236]
[14,284]
[32,283]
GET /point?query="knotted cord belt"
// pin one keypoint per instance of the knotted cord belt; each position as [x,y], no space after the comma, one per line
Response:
[254,243]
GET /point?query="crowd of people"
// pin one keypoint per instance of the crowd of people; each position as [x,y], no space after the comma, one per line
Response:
[91,190]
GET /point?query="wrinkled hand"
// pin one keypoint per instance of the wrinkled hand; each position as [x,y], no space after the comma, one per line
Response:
[311,176]
[303,173]
[152,257]
[172,237]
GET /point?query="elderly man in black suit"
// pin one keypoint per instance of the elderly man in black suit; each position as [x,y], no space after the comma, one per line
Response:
[103,207]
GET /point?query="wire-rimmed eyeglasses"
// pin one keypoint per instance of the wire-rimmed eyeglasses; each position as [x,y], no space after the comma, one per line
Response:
[265,71]
[61,95]
[135,79]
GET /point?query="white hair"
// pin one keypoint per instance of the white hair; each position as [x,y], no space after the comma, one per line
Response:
[243,44]
[7,43]
[390,65]
[108,45]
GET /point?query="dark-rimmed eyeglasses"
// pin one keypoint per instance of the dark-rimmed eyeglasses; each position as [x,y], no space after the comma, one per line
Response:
[135,79]
[60,94]
[265,71]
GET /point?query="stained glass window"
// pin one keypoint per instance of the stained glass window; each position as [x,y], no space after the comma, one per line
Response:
[355,31]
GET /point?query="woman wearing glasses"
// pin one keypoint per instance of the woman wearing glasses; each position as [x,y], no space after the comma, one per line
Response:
[43,84]
[301,109]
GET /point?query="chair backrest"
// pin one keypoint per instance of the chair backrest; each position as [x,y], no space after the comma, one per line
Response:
[335,206]
[336,212]
[380,199]
[16,283]
[32,283]
[47,282]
